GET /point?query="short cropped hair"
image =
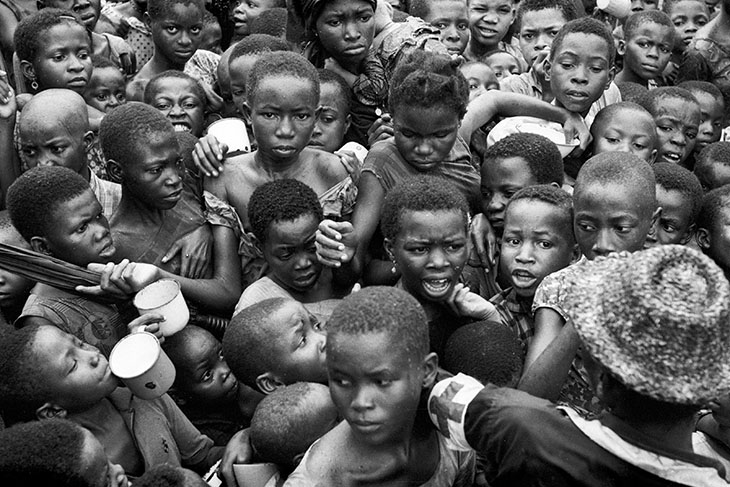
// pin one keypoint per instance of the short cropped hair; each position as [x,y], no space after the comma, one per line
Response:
[381,309]
[35,196]
[158,8]
[551,195]
[247,341]
[634,92]
[281,200]
[489,351]
[420,193]
[8,233]
[666,92]
[129,126]
[421,8]
[695,86]
[282,425]
[609,111]
[566,8]
[330,77]
[154,84]
[620,168]
[101,62]
[542,156]
[167,475]
[634,21]
[280,64]
[30,32]
[712,204]
[271,21]
[427,80]
[714,153]
[673,177]
[48,452]
[667,6]
[588,26]
[21,391]
[254,44]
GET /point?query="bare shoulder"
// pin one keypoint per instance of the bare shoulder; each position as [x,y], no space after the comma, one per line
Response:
[328,165]
[329,457]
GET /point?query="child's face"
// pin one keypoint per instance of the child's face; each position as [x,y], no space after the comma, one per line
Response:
[204,374]
[155,177]
[300,343]
[610,218]
[536,242]
[290,253]
[63,60]
[106,89]
[430,251]
[87,10]
[50,142]
[712,113]
[177,99]
[245,13]
[238,72]
[503,64]
[346,29]
[648,50]
[501,178]
[76,375]
[425,136]
[537,31]
[375,385]
[675,222]
[14,289]
[579,71]
[333,120]
[489,21]
[641,5]
[719,175]
[481,78]
[626,131]
[283,115]
[716,243]
[688,16]
[80,233]
[211,38]
[177,34]
[677,123]
[451,17]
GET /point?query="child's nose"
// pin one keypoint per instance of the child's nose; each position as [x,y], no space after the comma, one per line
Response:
[363,400]
[437,259]
[451,33]
[351,31]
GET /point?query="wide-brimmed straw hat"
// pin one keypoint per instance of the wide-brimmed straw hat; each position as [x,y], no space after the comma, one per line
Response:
[657,320]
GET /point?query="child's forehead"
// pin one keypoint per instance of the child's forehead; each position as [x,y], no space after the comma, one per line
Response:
[541,15]
[582,44]
[489,3]
[181,13]
[628,120]
[651,28]
[175,84]
[107,74]
[611,195]
[331,94]
[292,231]
[437,8]
[676,106]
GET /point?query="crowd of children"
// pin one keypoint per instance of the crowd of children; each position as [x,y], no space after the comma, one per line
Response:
[473,242]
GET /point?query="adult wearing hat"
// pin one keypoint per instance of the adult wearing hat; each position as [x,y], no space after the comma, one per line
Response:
[655,326]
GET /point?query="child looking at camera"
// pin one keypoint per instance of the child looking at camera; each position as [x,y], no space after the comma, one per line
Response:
[712,112]
[450,17]
[712,167]
[107,86]
[646,47]
[180,98]
[378,363]
[677,116]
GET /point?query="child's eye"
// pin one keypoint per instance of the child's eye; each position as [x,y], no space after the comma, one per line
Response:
[302,116]
[190,106]
[384,382]
[664,128]
[418,250]
[544,244]
[665,49]
[58,149]
[566,65]
[691,135]
[639,146]
[365,18]
[505,10]
[623,229]
[102,97]
[162,106]
[207,376]
[462,26]
[528,36]
[668,228]
[455,247]
[341,382]
[121,97]
[612,140]
[268,115]
[82,228]
[196,30]
[597,69]
[59,57]
[73,366]
[514,242]
[83,54]
[303,340]
[334,23]
[586,227]
[28,152]
[171,29]
[285,255]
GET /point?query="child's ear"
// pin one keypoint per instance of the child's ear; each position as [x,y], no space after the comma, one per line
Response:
[27,69]
[689,234]
[246,113]
[621,47]
[298,459]
[50,411]
[348,122]
[115,170]
[611,75]
[268,383]
[40,245]
[147,20]
[430,368]
[655,217]
[703,238]
[88,139]
[388,245]
[652,158]
[546,69]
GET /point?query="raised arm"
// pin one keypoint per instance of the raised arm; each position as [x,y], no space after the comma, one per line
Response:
[9,163]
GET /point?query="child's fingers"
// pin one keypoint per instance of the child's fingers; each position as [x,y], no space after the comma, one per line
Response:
[327,242]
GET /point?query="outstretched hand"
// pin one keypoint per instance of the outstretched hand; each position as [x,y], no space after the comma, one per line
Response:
[336,243]
[121,281]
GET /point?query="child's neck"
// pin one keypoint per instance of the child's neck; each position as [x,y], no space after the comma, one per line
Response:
[628,75]
[277,168]
[159,64]
[142,214]
[475,51]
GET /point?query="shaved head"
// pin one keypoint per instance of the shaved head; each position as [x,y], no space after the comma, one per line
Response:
[52,108]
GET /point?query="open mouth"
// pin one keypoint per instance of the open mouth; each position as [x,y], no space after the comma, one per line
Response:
[436,287]
[181,127]
[523,278]
[672,157]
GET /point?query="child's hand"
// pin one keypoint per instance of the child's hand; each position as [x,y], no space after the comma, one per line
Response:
[670,72]
[195,252]
[575,127]
[215,102]
[209,154]
[538,65]
[485,242]
[381,129]
[466,303]
[238,450]
[121,280]
[8,105]
[336,243]
[148,322]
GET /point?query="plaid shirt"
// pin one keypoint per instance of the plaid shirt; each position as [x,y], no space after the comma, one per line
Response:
[517,314]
